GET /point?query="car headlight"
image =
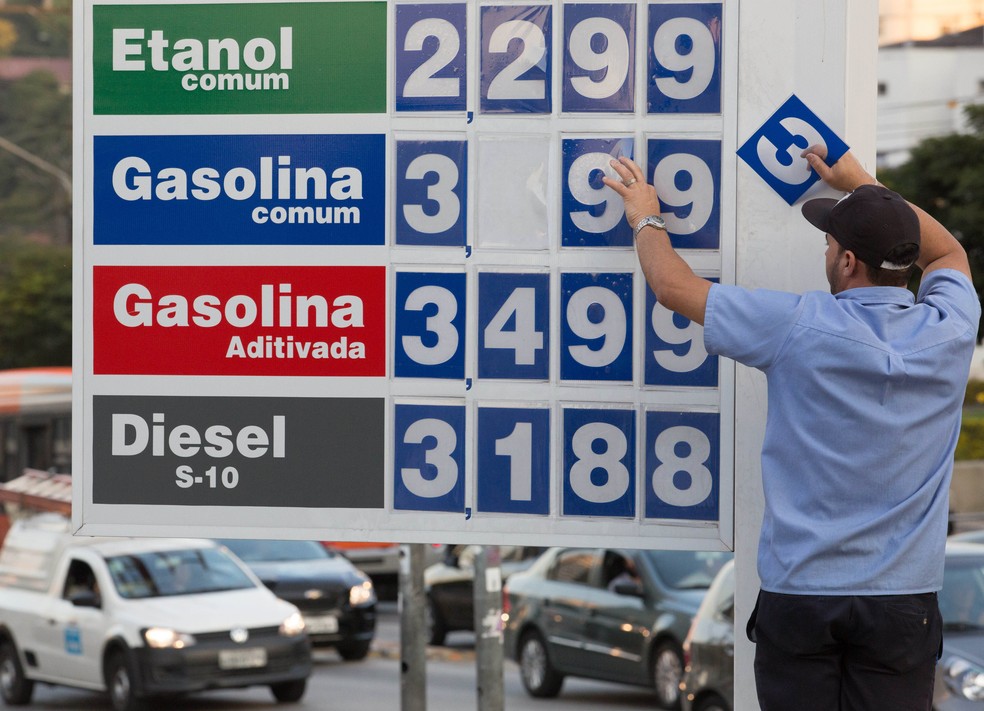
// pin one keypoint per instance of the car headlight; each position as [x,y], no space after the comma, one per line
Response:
[362,594]
[964,678]
[166,638]
[293,625]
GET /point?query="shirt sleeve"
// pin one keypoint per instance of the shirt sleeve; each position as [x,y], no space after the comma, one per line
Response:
[749,326]
[950,290]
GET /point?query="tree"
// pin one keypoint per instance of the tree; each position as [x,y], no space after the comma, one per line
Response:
[37,117]
[8,36]
[945,176]
[35,305]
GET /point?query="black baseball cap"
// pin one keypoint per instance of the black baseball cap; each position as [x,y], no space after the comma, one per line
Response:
[871,222]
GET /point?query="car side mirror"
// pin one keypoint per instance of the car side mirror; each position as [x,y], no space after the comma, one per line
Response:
[727,608]
[628,587]
[85,598]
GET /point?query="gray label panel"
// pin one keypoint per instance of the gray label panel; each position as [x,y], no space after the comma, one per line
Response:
[238,451]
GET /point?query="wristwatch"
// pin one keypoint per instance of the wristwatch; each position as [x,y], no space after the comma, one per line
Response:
[651,221]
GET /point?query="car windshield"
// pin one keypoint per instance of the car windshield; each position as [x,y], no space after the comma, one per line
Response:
[687,570]
[263,551]
[962,596]
[176,572]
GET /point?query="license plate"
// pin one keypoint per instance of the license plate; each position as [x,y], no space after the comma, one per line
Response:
[325,624]
[242,658]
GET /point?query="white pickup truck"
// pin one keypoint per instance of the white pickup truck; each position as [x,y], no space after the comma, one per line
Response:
[139,618]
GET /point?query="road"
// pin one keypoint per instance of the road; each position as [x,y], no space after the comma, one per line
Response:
[374,685]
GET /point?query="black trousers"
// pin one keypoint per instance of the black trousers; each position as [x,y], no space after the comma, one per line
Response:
[845,653]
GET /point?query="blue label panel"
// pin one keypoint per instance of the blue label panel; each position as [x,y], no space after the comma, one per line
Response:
[73,640]
[428,458]
[514,326]
[683,465]
[513,473]
[431,188]
[430,325]
[592,214]
[516,59]
[599,58]
[596,326]
[599,462]
[431,58]
[774,151]
[260,189]
[687,176]
[685,58]
[675,353]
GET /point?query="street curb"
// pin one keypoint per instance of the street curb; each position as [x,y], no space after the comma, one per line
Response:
[391,650]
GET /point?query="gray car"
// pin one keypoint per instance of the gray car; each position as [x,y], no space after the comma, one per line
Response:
[960,672]
[709,649]
[617,615]
[709,679]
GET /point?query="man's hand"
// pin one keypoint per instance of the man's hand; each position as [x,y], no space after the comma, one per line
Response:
[846,175]
[640,198]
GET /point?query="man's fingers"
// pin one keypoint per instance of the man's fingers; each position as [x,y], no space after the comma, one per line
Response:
[816,162]
[817,149]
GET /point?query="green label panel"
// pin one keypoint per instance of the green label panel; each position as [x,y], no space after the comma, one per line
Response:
[248,58]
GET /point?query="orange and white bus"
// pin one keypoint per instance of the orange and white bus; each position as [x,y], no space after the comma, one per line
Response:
[35,421]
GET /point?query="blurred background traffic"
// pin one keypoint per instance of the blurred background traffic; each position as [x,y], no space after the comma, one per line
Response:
[589,628]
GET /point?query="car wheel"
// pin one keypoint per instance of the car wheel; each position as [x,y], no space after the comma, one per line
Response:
[288,692]
[711,703]
[354,651]
[539,677]
[15,688]
[437,630]
[667,670]
[121,683]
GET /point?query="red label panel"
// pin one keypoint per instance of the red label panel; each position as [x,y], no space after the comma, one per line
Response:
[270,320]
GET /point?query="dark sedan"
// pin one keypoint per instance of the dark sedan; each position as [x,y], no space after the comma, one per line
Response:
[450,586]
[617,615]
[337,600]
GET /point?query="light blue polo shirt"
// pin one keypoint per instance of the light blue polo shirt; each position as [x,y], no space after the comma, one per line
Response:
[865,392]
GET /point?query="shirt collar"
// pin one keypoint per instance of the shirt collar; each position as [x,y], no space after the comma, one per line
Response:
[879,295]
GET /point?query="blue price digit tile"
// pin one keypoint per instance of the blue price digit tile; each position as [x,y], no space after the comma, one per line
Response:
[774,151]
[592,214]
[430,325]
[513,474]
[431,59]
[428,458]
[599,462]
[513,326]
[687,176]
[684,58]
[683,465]
[675,353]
[596,326]
[516,59]
[599,58]
[431,185]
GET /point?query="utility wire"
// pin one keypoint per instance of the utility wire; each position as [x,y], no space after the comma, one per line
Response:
[39,163]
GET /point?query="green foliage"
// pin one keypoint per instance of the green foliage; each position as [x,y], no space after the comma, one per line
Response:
[974,395]
[8,36]
[945,177]
[971,442]
[35,305]
[40,34]
[36,116]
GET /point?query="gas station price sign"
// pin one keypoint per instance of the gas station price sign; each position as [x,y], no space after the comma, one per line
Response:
[348,270]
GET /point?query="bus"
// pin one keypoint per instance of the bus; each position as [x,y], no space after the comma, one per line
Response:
[35,421]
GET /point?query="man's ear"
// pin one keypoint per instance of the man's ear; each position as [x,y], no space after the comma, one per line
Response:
[851,263]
